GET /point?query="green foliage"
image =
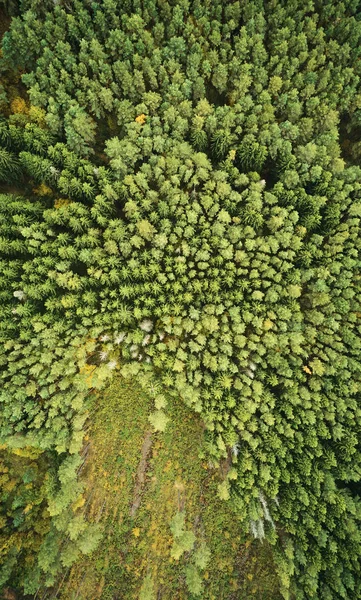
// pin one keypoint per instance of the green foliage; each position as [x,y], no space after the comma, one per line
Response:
[194,580]
[147,591]
[200,560]
[202,556]
[251,155]
[159,420]
[209,231]
[183,539]
[9,166]
[223,490]
[24,522]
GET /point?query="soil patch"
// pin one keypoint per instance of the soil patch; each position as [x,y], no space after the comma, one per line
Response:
[141,473]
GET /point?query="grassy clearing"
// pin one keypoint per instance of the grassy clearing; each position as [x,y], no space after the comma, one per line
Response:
[137,481]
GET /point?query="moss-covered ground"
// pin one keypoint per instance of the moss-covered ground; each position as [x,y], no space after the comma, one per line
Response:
[136,482]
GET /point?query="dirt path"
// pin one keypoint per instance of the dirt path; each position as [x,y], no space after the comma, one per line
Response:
[141,471]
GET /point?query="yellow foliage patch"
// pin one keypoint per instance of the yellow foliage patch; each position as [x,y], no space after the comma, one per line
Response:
[268,324]
[88,371]
[59,202]
[43,190]
[27,452]
[141,119]
[167,466]
[136,532]
[179,485]
[78,503]
[307,370]
[37,115]
[18,105]
[9,485]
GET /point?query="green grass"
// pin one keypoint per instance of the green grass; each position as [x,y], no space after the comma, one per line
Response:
[170,478]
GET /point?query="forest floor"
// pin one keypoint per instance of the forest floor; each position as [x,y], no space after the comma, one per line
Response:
[4,22]
[136,481]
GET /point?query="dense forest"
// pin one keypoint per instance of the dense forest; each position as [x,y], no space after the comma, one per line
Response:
[180,204]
